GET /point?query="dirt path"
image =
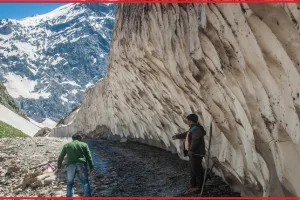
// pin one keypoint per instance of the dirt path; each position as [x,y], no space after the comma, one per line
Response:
[133,169]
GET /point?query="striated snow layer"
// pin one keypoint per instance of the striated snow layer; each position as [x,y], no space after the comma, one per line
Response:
[235,65]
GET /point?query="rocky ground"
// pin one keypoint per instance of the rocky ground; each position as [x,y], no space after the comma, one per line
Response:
[124,169]
[20,173]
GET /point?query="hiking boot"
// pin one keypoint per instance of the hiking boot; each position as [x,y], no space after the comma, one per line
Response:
[192,190]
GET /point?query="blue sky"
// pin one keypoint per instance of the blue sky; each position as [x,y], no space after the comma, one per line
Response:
[22,10]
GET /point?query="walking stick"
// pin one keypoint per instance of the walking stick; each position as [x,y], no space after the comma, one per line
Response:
[210,134]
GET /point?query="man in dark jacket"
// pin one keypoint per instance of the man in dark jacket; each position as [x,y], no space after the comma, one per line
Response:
[78,158]
[194,148]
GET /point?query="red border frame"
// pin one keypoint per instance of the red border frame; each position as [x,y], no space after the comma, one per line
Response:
[150,198]
[149,1]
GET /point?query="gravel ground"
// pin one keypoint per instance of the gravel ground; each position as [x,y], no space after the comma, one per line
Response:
[124,169]
[18,156]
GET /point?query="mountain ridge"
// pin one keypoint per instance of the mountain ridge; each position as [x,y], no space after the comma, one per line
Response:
[48,61]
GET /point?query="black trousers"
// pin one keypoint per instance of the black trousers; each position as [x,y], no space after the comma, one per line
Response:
[196,169]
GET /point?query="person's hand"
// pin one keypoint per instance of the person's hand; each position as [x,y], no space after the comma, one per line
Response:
[93,171]
[190,154]
[174,137]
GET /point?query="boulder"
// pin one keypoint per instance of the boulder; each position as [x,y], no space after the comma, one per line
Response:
[123,140]
[43,132]
[29,179]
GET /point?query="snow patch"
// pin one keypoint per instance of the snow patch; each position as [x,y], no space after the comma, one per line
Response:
[64,99]
[11,53]
[74,91]
[109,17]
[88,85]
[76,39]
[46,123]
[49,123]
[36,123]
[5,37]
[70,83]
[26,48]
[57,60]
[32,68]
[17,121]
[18,86]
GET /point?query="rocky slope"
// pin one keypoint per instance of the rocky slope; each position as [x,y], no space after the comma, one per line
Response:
[47,61]
[236,65]
[7,101]
[22,172]
[12,115]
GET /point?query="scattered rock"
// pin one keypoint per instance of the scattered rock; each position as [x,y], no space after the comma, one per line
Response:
[44,176]
[3,156]
[18,191]
[12,169]
[49,180]
[18,156]
[29,179]
[123,140]
[43,132]
[58,193]
[36,184]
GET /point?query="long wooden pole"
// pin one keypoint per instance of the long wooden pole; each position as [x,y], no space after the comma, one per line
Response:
[210,136]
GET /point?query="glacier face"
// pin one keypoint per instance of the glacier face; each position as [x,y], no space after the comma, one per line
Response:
[238,70]
[48,61]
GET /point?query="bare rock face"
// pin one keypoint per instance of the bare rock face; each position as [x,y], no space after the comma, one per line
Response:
[235,65]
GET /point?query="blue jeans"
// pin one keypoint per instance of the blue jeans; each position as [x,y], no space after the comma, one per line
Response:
[82,174]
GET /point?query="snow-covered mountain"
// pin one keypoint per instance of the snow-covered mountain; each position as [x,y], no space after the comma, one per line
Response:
[48,61]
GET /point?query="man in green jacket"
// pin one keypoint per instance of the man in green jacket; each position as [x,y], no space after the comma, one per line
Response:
[78,157]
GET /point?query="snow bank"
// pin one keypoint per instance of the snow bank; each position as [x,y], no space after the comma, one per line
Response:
[17,121]
[241,73]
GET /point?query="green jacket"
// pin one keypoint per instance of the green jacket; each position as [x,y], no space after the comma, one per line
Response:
[77,152]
